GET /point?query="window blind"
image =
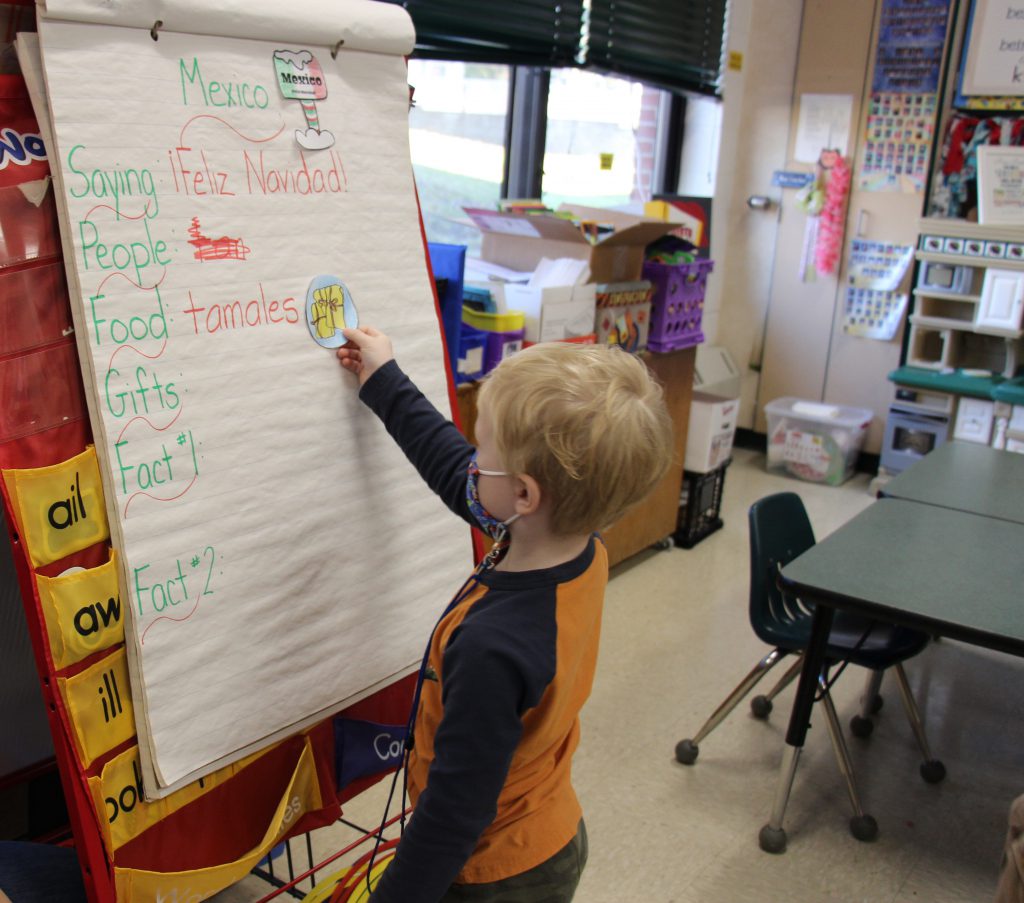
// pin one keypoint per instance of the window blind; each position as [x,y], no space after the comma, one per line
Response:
[676,44]
[519,32]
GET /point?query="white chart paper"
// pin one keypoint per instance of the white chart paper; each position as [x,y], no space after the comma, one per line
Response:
[280,556]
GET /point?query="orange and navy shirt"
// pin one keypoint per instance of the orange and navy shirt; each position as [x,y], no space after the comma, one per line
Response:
[509,667]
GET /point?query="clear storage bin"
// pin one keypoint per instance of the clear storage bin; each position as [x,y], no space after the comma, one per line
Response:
[814,441]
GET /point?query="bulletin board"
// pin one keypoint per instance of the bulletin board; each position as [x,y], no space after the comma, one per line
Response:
[234,187]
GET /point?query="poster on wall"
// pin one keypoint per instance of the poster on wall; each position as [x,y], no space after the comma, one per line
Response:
[897,142]
[911,39]
[872,314]
[873,307]
[224,219]
[823,124]
[994,62]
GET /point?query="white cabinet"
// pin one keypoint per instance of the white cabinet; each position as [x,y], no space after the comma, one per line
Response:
[1002,297]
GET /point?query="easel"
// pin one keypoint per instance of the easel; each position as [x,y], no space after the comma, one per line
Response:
[228,822]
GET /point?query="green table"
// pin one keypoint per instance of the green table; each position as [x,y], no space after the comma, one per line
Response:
[967,477]
[937,569]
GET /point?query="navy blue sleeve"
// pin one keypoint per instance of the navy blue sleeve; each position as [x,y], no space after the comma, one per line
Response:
[489,682]
[430,441]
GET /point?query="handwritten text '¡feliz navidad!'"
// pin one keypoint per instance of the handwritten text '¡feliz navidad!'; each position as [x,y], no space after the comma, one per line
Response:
[199,173]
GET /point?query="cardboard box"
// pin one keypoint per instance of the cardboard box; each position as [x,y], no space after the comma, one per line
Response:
[519,241]
[711,432]
[553,313]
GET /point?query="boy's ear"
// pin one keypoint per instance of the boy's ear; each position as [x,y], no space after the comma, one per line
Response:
[528,494]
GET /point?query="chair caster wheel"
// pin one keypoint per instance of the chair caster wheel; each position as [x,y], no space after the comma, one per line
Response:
[760,707]
[772,840]
[861,727]
[662,544]
[686,752]
[877,703]
[864,828]
[933,771]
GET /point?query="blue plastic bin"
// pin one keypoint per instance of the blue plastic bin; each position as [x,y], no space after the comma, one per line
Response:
[449,264]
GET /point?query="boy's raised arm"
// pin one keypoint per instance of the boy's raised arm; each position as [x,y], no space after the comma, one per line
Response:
[430,441]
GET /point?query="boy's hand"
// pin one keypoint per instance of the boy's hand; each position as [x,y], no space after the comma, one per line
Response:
[366,350]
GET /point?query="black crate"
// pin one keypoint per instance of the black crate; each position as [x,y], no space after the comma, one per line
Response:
[700,505]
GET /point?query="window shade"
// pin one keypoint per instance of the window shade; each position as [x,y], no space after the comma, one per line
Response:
[676,44]
[523,32]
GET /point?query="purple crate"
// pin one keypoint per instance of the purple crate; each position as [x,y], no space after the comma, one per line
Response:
[677,303]
[501,345]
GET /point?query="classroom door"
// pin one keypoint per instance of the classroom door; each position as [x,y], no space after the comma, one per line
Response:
[833,60]
[757,92]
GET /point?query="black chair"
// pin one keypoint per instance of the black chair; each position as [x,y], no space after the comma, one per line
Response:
[779,532]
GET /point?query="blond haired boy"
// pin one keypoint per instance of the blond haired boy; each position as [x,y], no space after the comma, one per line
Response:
[568,437]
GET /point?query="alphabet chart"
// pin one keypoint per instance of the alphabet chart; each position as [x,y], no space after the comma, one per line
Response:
[228,205]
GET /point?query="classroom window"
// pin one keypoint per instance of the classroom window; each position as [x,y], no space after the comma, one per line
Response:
[601,139]
[457,134]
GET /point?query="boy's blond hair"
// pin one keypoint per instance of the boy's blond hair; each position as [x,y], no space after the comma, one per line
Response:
[588,422]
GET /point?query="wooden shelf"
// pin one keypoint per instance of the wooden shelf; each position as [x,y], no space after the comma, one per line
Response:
[948,296]
[1000,263]
[941,322]
[961,228]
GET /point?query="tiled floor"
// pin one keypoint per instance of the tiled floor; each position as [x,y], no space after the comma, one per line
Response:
[676,640]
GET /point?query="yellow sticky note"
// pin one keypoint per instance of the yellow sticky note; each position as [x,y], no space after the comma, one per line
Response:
[99,703]
[82,611]
[59,509]
[607,160]
[735,61]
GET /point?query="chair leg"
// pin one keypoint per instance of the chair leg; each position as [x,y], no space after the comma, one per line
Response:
[761,706]
[687,750]
[772,837]
[861,725]
[932,770]
[871,702]
[862,826]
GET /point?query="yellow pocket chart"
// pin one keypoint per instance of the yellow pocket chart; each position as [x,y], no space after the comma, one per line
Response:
[59,508]
[302,795]
[117,795]
[99,702]
[82,611]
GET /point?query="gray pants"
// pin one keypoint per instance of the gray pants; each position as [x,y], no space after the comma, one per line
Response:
[553,881]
